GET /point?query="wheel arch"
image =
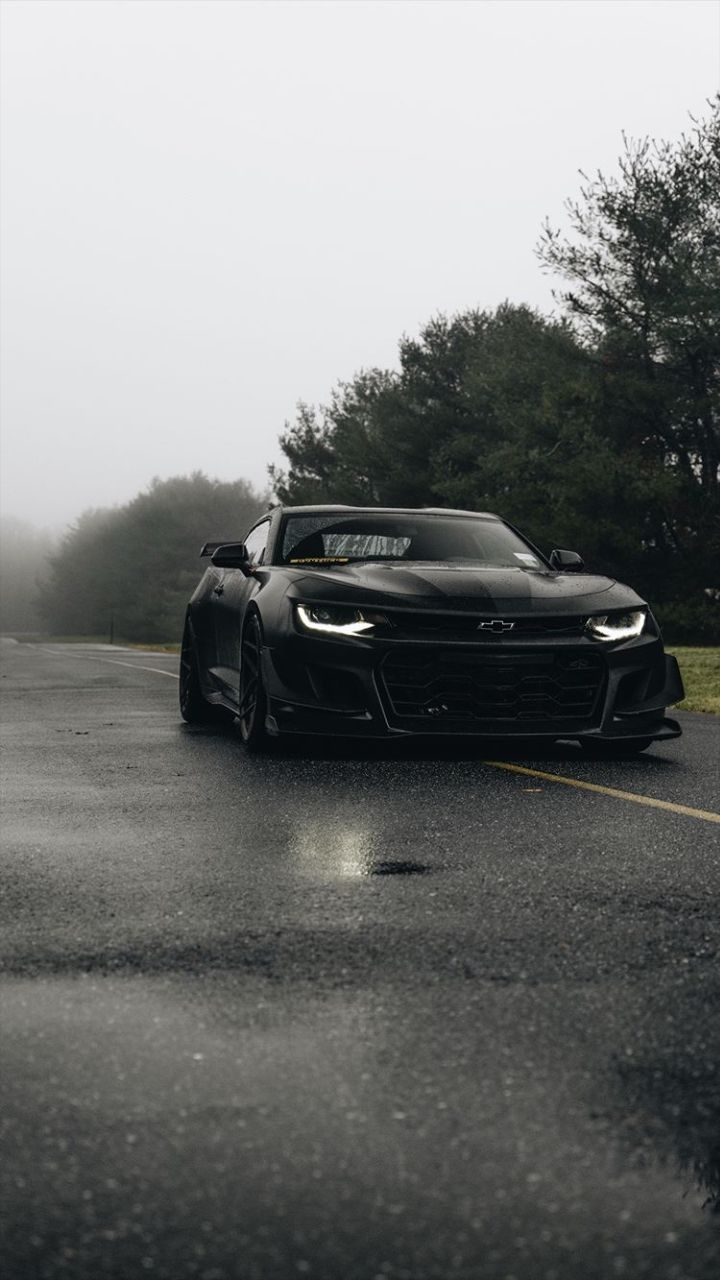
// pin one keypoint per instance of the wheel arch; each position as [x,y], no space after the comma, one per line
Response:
[253,612]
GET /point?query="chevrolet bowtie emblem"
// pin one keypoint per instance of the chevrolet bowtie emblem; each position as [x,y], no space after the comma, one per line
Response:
[497,625]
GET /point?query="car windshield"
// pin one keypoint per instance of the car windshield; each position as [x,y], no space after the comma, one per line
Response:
[339,539]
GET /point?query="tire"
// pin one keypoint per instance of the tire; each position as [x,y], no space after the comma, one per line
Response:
[614,750]
[194,708]
[252,700]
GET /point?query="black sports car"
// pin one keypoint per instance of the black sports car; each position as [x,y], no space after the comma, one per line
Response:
[380,622]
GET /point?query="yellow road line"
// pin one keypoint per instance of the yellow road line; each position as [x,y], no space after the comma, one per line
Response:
[705,814]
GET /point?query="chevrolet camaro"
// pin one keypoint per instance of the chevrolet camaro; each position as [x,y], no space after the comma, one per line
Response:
[380,622]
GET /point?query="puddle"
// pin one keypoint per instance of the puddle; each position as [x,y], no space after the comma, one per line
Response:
[334,850]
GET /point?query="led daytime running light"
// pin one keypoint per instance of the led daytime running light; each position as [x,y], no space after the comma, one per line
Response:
[625,626]
[354,628]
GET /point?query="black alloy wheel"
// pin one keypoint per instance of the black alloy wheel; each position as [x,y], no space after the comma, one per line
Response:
[614,750]
[252,701]
[193,707]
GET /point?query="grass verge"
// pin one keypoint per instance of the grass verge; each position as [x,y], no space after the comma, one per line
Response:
[700,670]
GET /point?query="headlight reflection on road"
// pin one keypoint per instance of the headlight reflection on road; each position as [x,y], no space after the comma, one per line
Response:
[333,851]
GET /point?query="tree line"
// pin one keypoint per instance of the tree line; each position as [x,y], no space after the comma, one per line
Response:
[127,573]
[596,429]
[24,560]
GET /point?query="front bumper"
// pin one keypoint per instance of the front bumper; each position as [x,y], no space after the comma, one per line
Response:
[394,689]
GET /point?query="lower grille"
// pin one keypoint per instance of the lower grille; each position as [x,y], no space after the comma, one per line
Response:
[461,687]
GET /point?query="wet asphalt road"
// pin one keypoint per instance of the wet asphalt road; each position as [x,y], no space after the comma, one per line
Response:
[357,1015]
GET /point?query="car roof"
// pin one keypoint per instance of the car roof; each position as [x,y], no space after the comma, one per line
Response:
[341,508]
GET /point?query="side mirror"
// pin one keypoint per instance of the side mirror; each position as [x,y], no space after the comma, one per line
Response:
[566,561]
[232,555]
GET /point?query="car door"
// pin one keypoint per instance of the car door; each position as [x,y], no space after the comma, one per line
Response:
[231,595]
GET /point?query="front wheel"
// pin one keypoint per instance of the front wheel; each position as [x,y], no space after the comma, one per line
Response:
[193,707]
[252,700]
[600,750]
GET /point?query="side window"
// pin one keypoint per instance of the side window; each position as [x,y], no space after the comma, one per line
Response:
[256,542]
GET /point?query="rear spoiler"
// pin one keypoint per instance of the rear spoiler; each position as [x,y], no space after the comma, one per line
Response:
[210,547]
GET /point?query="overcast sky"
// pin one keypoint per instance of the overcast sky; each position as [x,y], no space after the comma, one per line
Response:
[214,209]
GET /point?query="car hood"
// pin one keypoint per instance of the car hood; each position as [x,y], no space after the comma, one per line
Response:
[451,586]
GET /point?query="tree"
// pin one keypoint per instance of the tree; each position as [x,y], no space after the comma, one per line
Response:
[390,438]
[642,264]
[339,453]
[488,410]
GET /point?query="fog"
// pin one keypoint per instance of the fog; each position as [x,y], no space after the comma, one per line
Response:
[212,210]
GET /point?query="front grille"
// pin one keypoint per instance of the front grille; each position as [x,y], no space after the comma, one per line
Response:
[450,686]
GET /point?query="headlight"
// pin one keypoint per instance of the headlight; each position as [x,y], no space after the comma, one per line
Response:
[337,620]
[621,626]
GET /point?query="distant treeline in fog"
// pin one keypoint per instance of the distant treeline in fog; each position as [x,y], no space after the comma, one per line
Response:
[598,430]
[24,556]
[129,571]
